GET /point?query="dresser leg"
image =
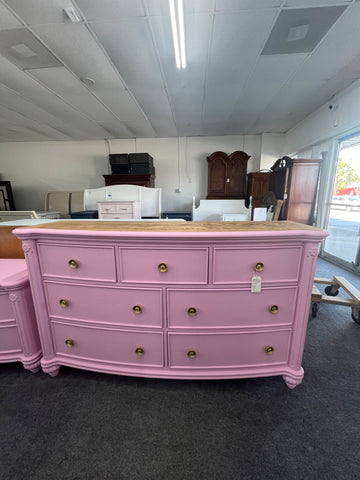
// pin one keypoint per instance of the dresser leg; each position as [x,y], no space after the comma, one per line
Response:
[32,365]
[294,380]
[52,371]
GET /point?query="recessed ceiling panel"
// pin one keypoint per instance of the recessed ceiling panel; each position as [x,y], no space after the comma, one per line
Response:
[234,5]
[20,47]
[317,20]
[7,19]
[95,10]
[318,3]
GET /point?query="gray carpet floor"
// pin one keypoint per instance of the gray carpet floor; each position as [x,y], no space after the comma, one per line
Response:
[84,425]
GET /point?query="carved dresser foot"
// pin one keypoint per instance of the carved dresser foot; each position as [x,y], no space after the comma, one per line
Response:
[52,371]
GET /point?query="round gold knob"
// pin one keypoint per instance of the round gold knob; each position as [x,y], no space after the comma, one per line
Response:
[269,350]
[192,311]
[259,267]
[137,309]
[73,263]
[191,354]
[162,267]
[69,343]
[64,302]
[274,309]
[139,351]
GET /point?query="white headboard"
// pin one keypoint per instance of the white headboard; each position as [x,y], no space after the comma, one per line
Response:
[214,210]
[150,198]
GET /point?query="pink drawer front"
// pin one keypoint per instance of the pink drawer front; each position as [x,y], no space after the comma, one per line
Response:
[221,308]
[9,339]
[124,306]
[204,350]
[6,310]
[109,345]
[188,265]
[236,265]
[88,262]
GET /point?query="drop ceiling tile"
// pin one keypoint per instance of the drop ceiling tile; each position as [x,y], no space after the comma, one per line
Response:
[23,49]
[35,12]
[235,5]
[161,7]
[95,10]
[7,18]
[310,3]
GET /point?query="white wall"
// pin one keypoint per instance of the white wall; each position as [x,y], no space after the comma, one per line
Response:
[180,163]
[325,124]
[272,148]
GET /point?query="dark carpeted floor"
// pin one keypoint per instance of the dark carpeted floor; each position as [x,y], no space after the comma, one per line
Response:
[85,425]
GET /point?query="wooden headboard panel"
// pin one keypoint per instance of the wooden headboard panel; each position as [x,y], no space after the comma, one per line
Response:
[10,245]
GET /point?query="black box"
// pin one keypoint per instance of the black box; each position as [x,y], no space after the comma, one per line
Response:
[120,169]
[85,214]
[142,169]
[141,158]
[119,158]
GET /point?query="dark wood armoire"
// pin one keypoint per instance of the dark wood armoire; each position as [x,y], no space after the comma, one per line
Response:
[227,175]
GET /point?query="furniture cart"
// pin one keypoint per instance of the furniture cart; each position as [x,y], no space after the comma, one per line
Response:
[186,300]
[227,175]
[124,210]
[19,338]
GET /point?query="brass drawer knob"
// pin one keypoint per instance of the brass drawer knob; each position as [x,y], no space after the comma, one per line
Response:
[64,302]
[69,342]
[73,263]
[274,309]
[269,350]
[191,354]
[162,267]
[137,309]
[139,351]
[259,267]
[192,311]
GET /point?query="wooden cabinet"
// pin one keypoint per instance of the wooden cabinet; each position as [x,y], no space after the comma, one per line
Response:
[257,187]
[296,182]
[173,299]
[227,175]
[145,180]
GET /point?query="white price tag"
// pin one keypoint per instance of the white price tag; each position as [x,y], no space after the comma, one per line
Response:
[256,285]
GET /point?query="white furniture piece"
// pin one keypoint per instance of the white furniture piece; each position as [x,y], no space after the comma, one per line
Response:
[64,202]
[149,198]
[8,215]
[119,210]
[183,300]
[214,210]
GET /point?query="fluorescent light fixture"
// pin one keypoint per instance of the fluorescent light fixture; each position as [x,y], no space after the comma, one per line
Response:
[298,33]
[72,14]
[178,32]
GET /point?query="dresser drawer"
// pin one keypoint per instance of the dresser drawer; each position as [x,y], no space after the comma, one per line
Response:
[204,350]
[114,216]
[6,310]
[236,265]
[164,265]
[193,309]
[78,262]
[109,345]
[9,339]
[123,306]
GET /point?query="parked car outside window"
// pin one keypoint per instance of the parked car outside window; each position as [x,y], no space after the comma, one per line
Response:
[348,202]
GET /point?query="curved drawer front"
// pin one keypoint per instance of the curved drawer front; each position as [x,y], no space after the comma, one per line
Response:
[179,265]
[108,345]
[6,310]
[124,306]
[230,308]
[203,350]
[238,265]
[117,215]
[89,262]
[9,339]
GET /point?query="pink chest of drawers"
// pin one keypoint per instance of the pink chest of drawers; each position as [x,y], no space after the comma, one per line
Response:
[19,338]
[199,300]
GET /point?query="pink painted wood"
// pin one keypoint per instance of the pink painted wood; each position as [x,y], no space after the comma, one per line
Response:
[196,318]
[19,338]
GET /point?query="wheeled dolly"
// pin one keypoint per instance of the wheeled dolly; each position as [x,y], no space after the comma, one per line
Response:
[332,290]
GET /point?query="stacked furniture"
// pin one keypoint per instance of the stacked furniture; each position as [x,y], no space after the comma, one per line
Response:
[131,169]
[183,300]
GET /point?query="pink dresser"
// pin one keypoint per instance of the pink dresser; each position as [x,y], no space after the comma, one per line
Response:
[192,300]
[19,338]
